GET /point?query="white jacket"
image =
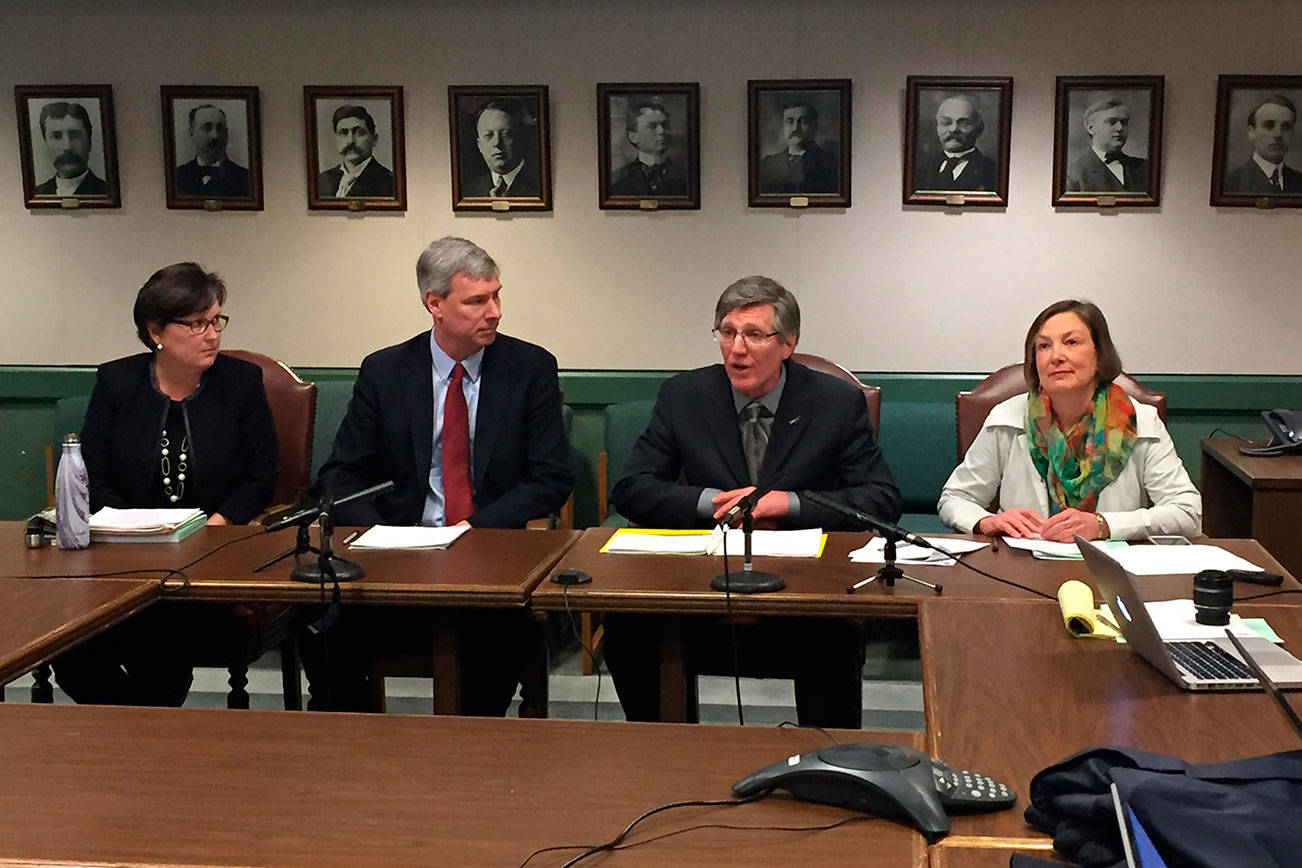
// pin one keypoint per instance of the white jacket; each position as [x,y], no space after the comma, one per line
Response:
[1153,494]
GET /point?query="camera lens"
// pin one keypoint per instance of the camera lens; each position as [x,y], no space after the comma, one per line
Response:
[1213,593]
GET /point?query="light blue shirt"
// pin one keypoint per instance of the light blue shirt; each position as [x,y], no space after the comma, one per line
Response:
[432,515]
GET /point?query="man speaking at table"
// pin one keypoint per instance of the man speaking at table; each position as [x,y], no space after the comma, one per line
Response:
[467,424]
[718,433]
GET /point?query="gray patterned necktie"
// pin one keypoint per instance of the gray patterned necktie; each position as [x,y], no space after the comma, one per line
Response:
[755,423]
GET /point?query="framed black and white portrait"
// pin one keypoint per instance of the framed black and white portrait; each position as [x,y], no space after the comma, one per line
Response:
[648,146]
[501,154]
[799,143]
[355,157]
[956,133]
[1107,141]
[212,156]
[68,146]
[1254,163]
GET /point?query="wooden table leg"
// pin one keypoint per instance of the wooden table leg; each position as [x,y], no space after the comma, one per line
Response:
[447,663]
[677,685]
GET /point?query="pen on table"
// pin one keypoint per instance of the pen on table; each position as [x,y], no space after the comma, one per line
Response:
[352,536]
[994,544]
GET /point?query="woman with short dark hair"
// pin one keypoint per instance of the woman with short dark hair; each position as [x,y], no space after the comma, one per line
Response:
[179,426]
[1073,456]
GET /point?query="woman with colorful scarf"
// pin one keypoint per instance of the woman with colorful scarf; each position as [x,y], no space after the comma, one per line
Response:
[1074,455]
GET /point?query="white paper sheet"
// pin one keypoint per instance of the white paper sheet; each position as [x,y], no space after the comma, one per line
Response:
[764,543]
[643,542]
[1175,622]
[1160,560]
[141,520]
[1065,551]
[389,537]
[875,551]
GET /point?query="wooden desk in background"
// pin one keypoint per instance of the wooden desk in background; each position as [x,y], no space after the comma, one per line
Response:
[126,786]
[1252,496]
[39,618]
[483,569]
[1008,692]
[678,587]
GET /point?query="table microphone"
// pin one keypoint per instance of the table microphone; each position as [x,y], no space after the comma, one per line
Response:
[885,528]
[746,504]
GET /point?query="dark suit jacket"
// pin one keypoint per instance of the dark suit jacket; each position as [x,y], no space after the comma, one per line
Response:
[375,182]
[91,185]
[632,181]
[1249,179]
[525,184]
[1089,174]
[233,451]
[815,172]
[979,174]
[231,182]
[521,457]
[821,441]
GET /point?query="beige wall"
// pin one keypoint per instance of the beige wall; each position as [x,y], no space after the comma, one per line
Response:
[1188,288]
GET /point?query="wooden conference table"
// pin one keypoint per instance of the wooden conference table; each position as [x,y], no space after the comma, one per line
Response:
[128,786]
[1253,496]
[677,587]
[484,569]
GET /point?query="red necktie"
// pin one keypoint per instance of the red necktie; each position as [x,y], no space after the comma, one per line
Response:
[457,504]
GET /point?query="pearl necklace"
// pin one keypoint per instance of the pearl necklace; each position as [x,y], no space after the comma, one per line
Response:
[181,466]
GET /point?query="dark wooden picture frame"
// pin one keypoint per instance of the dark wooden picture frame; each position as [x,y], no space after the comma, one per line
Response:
[978,121]
[1256,116]
[1102,125]
[371,120]
[224,120]
[78,113]
[649,146]
[522,113]
[816,108]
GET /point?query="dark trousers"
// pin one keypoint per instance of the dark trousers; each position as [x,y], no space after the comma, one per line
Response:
[145,660]
[823,655]
[366,640]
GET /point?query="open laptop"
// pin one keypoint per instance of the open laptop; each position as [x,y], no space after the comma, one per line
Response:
[1211,664]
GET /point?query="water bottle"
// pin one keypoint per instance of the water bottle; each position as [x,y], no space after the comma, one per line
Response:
[72,497]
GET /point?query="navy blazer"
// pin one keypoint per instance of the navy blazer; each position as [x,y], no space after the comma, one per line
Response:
[375,182]
[234,457]
[821,441]
[1089,174]
[521,457]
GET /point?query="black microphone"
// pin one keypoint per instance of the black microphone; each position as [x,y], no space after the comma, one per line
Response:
[746,503]
[883,527]
[313,508]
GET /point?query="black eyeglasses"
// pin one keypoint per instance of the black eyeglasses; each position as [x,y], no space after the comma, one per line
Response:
[199,326]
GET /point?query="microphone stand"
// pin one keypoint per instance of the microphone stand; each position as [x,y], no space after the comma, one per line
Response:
[328,566]
[890,572]
[749,580]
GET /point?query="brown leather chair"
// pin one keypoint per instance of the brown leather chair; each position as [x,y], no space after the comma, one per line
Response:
[872,395]
[972,407]
[243,632]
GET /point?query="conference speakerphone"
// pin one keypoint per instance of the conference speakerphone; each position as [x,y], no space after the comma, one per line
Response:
[882,779]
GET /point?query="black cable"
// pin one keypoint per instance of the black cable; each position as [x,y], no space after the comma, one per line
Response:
[855,818]
[591,652]
[732,630]
[1268,594]
[168,572]
[791,724]
[958,559]
[1229,434]
[614,842]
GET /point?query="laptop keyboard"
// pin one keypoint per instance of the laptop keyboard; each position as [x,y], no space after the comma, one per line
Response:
[1207,660]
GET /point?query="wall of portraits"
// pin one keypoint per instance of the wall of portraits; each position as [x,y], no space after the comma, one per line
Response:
[885,285]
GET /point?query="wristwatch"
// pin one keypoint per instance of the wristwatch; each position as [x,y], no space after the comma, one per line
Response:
[1104,530]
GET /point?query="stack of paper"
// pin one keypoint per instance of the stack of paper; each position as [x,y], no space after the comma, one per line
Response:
[389,537]
[111,525]
[1175,622]
[764,543]
[875,551]
[1061,551]
[1177,560]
